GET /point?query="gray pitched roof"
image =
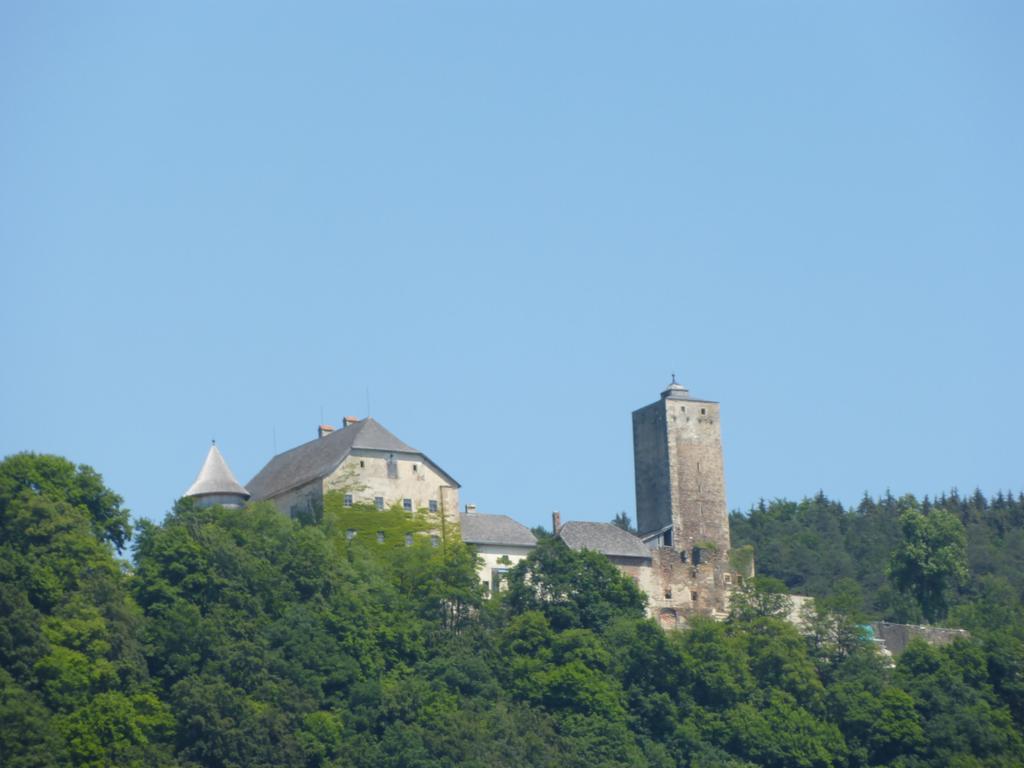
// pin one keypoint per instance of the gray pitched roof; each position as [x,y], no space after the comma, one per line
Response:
[215,477]
[602,537]
[495,529]
[321,456]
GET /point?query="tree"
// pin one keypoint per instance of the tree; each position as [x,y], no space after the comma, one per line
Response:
[931,559]
[760,597]
[624,521]
[572,589]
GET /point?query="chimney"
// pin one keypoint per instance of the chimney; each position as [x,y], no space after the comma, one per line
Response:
[471,509]
[556,521]
[348,421]
[323,430]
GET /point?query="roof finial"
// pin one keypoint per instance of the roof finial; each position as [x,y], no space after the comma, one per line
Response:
[674,378]
[213,441]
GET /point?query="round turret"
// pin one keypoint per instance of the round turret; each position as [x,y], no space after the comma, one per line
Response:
[216,484]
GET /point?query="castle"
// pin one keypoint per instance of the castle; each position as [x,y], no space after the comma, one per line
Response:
[680,556]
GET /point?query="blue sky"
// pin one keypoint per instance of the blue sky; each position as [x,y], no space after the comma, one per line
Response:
[505,225]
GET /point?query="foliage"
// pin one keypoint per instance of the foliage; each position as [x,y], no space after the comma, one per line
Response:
[931,559]
[245,638]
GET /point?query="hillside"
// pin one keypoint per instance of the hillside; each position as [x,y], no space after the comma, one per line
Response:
[817,547]
[243,638]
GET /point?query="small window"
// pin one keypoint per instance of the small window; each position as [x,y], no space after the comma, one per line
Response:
[415,467]
[350,534]
[666,539]
[392,467]
[728,579]
[433,505]
[435,541]
[378,502]
[683,409]
[693,596]
[668,593]
[362,464]
[499,579]
[703,411]
[380,537]
[408,539]
[348,499]
[407,505]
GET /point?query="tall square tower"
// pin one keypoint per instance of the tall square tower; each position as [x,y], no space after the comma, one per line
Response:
[680,474]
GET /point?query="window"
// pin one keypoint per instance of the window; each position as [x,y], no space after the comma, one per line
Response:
[728,579]
[362,464]
[408,539]
[703,411]
[392,467]
[666,538]
[380,537]
[350,534]
[415,467]
[668,593]
[378,502]
[499,579]
[433,505]
[348,499]
[693,596]
[407,505]
[435,541]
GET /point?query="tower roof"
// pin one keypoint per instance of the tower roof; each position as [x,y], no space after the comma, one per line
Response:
[676,391]
[215,476]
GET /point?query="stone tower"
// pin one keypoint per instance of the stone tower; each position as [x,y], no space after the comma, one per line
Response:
[680,475]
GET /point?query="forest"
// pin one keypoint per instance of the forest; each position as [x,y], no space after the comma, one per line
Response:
[223,638]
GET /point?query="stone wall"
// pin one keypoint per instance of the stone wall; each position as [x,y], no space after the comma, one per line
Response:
[680,475]
[898,636]
[366,475]
[677,589]
[699,512]
[650,463]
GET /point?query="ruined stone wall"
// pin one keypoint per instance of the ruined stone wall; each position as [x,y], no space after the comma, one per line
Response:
[677,589]
[898,636]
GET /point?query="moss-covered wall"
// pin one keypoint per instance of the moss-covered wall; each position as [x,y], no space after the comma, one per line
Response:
[394,522]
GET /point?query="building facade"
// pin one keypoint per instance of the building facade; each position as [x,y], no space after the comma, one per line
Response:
[363,462]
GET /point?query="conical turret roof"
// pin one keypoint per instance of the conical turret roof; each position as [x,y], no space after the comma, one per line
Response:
[216,477]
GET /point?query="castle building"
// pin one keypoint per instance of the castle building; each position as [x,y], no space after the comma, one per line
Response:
[216,483]
[364,462]
[680,558]
[680,476]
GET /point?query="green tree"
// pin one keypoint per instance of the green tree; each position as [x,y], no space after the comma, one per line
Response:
[760,597]
[572,589]
[931,559]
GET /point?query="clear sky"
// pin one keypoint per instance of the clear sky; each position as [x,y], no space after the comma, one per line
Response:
[500,227]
